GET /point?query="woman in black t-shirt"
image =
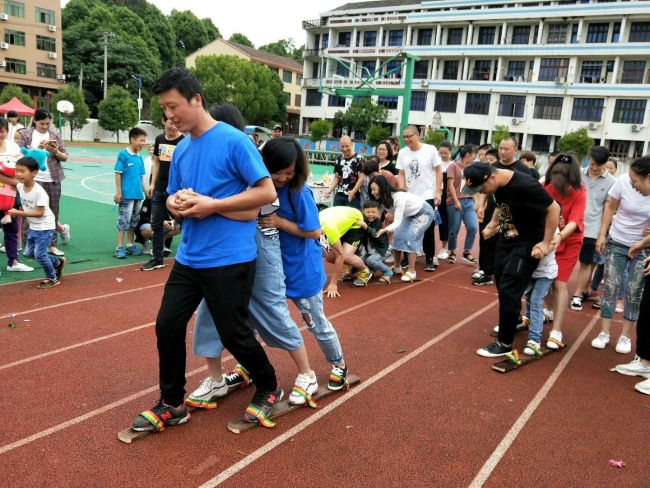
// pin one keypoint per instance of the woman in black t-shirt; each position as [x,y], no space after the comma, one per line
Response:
[384,152]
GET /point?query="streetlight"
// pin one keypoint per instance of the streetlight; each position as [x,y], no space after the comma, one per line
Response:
[139,80]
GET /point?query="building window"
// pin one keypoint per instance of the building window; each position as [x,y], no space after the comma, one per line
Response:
[477,103]
[368,68]
[342,70]
[516,70]
[482,70]
[418,101]
[395,37]
[314,71]
[633,72]
[473,136]
[536,36]
[298,79]
[46,71]
[597,33]
[616,33]
[485,35]
[394,69]
[313,98]
[344,39]
[450,71]
[421,70]
[46,43]
[14,9]
[591,71]
[298,100]
[551,68]
[455,36]
[629,111]
[557,34]
[274,70]
[587,109]
[326,41]
[640,32]
[574,34]
[15,37]
[287,76]
[548,108]
[370,39]
[17,66]
[335,101]
[619,149]
[541,143]
[566,2]
[521,34]
[425,37]
[512,106]
[45,16]
[446,102]
[389,102]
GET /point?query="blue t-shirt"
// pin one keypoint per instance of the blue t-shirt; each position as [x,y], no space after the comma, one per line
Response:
[131,167]
[302,258]
[220,163]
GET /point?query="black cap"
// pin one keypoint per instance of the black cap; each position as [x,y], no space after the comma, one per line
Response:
[475,175]
[276,127]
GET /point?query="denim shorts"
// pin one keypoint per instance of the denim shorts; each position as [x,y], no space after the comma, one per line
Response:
[129,215]
[409,235]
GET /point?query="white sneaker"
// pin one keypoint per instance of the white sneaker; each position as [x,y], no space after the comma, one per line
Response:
[532,348]
[478,274]
[624,345]
[443,254]
[635,368]
[305,384]
[389,260]
[2,249]
[19,267]
[436,263]
[643,387]
[556,335]
[205,396]
[408,276]
[549,314]
[65,235]
[601,341]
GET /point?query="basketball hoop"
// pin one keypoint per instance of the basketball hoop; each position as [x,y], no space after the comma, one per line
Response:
[436,122]
[65,107]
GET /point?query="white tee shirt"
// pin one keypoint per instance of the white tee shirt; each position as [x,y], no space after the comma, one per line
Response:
[405,204]
[45,175]
[445,165]
[420,170]
[31,201]
[633,214]
[11,149]
[13,129]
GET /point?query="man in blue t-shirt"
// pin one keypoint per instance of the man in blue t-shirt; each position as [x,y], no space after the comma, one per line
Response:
[208,178]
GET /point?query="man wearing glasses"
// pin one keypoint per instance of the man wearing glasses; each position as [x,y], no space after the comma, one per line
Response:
[420,172]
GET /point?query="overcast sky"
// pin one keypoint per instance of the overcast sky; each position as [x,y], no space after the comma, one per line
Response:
[262,21]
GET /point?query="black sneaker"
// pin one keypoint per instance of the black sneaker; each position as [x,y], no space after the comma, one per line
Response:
[159,416]
[261,406]
[496,349]
[576,303]
[405,261]
[58,269]
[428,266]
[338,378]
[167,252]
[152,264]
[239,377]
[482,281]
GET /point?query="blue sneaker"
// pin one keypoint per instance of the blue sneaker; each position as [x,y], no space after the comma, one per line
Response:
[133,250]
[119,253]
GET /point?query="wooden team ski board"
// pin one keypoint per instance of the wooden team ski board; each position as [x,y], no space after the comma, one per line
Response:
[507,365]
[284,407]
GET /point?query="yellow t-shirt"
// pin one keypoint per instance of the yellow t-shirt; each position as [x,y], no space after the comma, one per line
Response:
[336,221]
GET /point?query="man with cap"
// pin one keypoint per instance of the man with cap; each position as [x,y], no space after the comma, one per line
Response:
[276,131]
[526,220]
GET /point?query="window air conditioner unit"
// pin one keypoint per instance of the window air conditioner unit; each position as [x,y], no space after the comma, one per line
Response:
[52,55]
[3,64]
[4,45]
[593,126]
[636,128]
[51,28]
[516,121]
[424,83]
[60,77]
[4,16]
[559,80]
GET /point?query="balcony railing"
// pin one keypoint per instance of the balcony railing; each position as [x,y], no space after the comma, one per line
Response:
[313,24]
[635,77]
[592,79]
[309,53]
[481,75]
[310,82]
[386,19]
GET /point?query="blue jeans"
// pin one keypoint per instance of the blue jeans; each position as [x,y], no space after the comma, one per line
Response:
[374,262]
[129,215]
[535,293]
[38,243]
[341,200]
[467,214]
[312,309]
[616,264]
[268,311]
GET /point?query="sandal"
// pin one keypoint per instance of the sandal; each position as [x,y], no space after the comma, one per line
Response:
[468,258]
[452,258]
[384,279]
[48,284]
[596,306]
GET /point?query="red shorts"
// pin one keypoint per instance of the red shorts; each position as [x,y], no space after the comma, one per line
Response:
[566,257]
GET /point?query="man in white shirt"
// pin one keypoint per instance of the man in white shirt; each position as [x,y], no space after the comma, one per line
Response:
[14,125]
[420,172]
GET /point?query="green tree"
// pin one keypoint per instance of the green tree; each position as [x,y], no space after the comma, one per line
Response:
[156,113]
[79,118]
[577,141]
[191,33]
[499,134]
[162,34]
[363,114]
[376,134]
[339,123]
[118,112]
[10,91]
[254,89]
[434,138]
[318,129]
[211,29]
[283,47]
[297,54]
[239,38]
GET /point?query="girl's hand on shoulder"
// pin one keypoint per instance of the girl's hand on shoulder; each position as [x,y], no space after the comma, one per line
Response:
[269,221]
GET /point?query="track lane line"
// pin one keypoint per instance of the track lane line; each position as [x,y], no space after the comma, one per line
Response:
[506,442]
[237,467]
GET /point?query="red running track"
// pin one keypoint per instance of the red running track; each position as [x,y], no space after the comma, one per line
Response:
[435,415]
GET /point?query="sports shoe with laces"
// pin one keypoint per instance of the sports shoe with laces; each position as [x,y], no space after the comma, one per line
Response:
[152,264]
[483,280]
[18,266]
[205,396]
[496,349]
[159,416]
[338,378]
[443,254]
[58,269]
[532,348]
[261,405]
[65,234]
[635,368]
[119,253]
[303,389]
[643,387]
[133,250]
[576,303]
[239,377]
[348,274]
[362,278]
[554,338]
[428,266]
[522,324]
[479,273]
[166,252]
[601,341]
[624,345]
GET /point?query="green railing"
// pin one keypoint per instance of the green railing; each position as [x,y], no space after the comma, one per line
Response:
[322,157]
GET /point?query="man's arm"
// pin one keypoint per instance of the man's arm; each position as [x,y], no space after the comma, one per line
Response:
[333,183]
[155,167]
[332,288]
[360,178]
[541,249]
[438,191]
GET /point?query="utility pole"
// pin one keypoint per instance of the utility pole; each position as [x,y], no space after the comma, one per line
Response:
[105,35]
[81,78]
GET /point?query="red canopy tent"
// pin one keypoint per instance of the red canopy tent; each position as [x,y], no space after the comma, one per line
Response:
[18,106]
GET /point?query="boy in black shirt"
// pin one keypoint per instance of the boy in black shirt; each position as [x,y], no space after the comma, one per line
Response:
[376,247]
[507,150]
[526,219]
